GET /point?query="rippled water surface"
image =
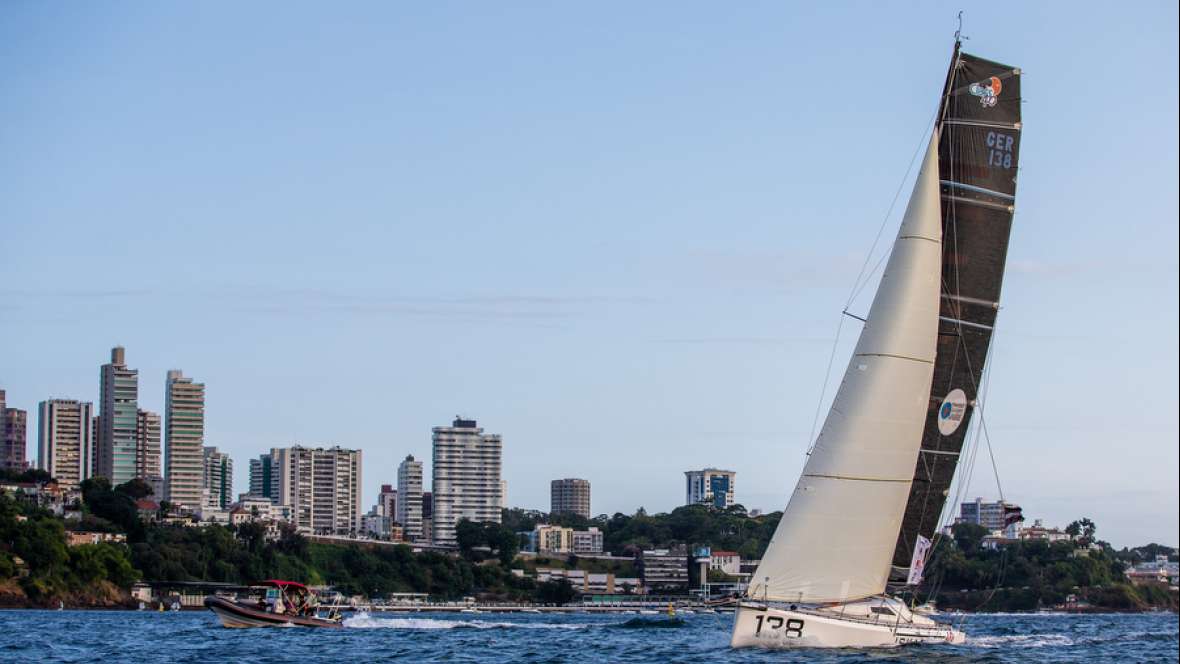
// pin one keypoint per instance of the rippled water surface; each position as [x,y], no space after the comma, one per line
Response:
[86,636]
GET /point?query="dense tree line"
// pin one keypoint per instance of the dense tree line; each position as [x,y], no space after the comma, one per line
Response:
[962,573]
[730,529]
[35,559]
[1031,575]
[34,555]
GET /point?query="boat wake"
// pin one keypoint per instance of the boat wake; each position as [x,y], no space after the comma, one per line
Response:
[1020,641]
[1061,640]
[366,621]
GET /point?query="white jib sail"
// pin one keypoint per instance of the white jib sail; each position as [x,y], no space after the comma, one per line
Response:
[837,534]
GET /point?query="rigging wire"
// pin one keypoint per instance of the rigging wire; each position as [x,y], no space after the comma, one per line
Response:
[858,286]
[970,454]
[947,135]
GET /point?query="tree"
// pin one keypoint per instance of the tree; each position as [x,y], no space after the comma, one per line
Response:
[114,505]
[31,475]
[969,536]
[468,535]
[1082,531]
[136,488]
[504,541]
[556,591]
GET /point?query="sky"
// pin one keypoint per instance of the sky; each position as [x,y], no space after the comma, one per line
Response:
[618,234]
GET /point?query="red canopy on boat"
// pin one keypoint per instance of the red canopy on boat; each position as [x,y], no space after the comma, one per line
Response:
[284,584]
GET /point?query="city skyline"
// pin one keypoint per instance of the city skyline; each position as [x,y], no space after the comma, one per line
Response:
[625,246]
[247,481]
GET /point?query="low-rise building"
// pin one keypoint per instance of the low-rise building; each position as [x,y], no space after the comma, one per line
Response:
[664,571]
[587,542]
[376,525]
[748,567]
[58,499]
[213,514]
[727,562]
[79,537]
[1038,532]
[997,516]
[628,585]
[576,577]
[545,539]
[1159,572]
[257,508]
[149,510]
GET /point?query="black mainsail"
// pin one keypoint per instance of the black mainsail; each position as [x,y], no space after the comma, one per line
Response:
[978,149]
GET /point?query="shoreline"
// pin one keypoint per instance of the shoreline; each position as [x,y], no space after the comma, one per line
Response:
[575,609]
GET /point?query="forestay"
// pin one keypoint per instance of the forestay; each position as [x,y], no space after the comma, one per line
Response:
[836,537]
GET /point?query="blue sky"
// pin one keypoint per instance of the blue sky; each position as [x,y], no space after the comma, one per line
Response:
[618,235]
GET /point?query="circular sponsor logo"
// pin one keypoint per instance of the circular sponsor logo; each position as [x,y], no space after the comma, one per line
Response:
[951,412]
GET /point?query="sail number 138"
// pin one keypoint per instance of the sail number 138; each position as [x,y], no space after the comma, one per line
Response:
[1000,149]
[792,627]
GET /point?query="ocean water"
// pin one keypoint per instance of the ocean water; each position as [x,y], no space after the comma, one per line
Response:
[116,636]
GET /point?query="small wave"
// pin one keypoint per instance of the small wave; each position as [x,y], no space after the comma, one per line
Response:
[650,623]
[1021,641]
[365,621]
[1015,614]
[1131,637]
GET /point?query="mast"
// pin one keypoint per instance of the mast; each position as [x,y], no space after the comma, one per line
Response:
[979,144]
[835,540]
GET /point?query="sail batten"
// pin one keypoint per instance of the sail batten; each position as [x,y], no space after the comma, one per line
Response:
[979,147]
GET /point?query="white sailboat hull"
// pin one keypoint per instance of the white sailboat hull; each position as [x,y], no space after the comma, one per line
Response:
[762,626]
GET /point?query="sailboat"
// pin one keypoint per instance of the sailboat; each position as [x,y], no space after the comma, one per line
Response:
[859,525]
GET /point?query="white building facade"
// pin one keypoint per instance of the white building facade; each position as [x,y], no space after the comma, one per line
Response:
[408,507]
[710,486]
[322,487]
[184,440]
[65,447]
[466,477]
[217,486]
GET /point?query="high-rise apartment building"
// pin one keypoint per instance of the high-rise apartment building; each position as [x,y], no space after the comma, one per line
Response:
[427,518]
[466,477]
[95,428]
[64,444]
[14,436]
[147,445]
[387,502]
[409,498]
[710,487]
[118,410]
[571,496]
[322,487]
[263,482]
[184,440]
[218,483]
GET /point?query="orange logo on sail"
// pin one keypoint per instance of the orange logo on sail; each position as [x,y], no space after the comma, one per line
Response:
[988,91]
